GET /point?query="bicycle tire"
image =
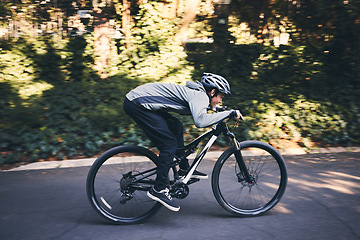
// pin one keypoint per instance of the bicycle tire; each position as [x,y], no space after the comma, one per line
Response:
[268,169]
[111,189]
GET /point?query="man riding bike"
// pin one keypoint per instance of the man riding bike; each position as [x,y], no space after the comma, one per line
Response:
[149,105]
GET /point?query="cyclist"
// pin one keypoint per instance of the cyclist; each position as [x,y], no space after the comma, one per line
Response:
[149,105]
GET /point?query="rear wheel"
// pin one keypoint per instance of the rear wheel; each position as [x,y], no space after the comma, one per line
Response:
[267,170]
[118,181]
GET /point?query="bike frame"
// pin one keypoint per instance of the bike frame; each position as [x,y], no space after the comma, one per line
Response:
[214,132]
[190,148]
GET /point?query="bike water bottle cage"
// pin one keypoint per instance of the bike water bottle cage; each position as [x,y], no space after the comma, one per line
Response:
[210,80]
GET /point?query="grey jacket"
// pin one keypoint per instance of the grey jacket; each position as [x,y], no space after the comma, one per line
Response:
[190,99]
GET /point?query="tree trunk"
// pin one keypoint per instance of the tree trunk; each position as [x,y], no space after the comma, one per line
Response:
[126,20]
[101,40]
[190,14]
[220,26]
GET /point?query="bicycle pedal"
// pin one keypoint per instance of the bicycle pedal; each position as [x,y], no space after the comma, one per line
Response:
[193,180]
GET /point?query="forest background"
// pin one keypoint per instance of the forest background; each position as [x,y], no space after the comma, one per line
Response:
[65,67]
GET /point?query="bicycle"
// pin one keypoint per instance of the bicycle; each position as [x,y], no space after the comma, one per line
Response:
[248,179]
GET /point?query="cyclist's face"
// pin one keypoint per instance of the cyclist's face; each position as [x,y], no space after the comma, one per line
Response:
[216,100]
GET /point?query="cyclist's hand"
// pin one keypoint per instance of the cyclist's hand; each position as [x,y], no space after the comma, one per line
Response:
[238,115]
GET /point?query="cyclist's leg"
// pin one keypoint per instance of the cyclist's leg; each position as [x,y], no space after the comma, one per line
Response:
[166,156]
[176,127]
[156,128]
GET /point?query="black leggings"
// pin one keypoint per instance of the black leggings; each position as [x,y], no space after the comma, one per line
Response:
[165,131]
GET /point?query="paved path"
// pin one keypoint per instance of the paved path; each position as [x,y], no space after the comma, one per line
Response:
[210,155]
[322,201]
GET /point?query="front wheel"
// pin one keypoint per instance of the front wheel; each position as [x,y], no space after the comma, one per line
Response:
[267,170]
[118,181]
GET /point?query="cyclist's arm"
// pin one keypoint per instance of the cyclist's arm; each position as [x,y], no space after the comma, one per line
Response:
[198,107]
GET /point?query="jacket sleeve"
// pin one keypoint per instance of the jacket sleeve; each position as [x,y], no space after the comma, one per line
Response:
[198,107]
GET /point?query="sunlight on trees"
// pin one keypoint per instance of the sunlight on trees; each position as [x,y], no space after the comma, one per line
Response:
[65,66]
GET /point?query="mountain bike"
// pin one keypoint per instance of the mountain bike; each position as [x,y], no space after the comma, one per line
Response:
[248,179]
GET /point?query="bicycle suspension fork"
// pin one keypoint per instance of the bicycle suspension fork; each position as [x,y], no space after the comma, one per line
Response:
[239,159]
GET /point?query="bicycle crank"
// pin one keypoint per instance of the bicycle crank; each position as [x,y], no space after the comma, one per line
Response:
[179,190]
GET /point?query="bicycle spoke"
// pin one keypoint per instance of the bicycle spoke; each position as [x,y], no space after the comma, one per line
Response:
[267,171]
[117,184]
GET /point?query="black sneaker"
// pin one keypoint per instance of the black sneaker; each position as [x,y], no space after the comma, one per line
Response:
[196,174]
[164,198]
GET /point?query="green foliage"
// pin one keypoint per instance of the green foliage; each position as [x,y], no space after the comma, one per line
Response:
[300,120]
[152,54]
[54,105]
[79,115]
[284,94]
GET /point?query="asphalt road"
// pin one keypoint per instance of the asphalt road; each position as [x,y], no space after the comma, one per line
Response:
[322,201]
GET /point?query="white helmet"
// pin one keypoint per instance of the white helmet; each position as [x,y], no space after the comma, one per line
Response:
[210,80]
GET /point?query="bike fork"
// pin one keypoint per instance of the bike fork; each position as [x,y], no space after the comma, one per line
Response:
[241,163]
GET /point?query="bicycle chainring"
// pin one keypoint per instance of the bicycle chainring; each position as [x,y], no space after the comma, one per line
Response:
[179,190]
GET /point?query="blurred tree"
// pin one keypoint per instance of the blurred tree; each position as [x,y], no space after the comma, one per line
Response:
[330,26]
[102,36]
[189,16]
[153,54]
[334,27]
[262,16]
[123,9]
[220,26]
